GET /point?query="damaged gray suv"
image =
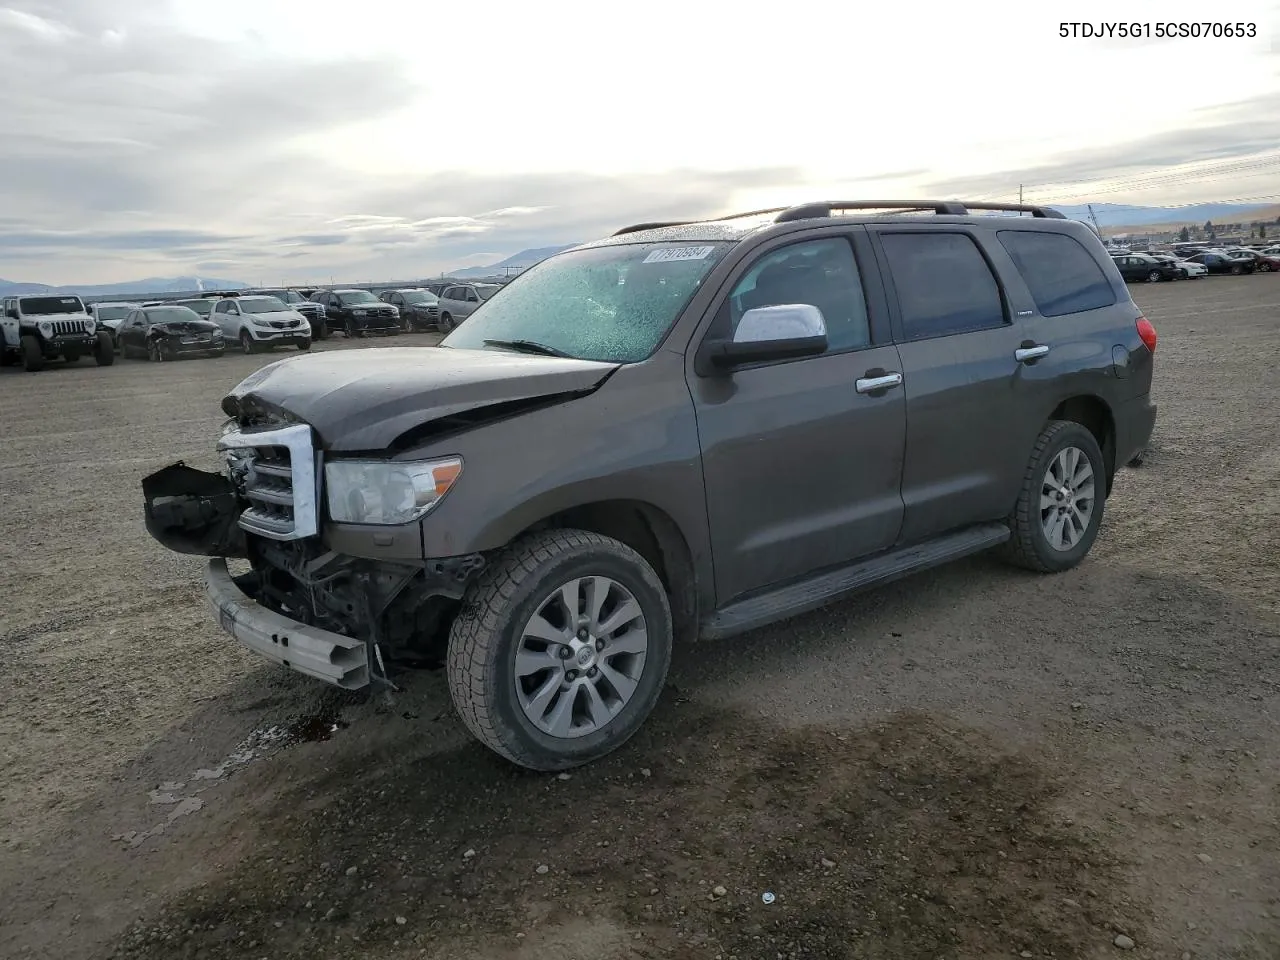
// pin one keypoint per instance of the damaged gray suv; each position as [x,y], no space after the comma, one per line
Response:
[684,430]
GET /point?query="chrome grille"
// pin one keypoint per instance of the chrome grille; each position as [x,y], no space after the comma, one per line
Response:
[277,471]
[74,328]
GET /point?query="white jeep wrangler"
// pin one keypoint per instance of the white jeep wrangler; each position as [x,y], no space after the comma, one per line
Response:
[39,328]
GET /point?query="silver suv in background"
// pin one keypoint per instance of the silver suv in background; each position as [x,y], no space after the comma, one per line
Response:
[461,301]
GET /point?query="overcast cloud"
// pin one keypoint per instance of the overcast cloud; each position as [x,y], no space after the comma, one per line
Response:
[266,141]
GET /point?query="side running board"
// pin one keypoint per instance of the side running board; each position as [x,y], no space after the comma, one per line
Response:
[817,591]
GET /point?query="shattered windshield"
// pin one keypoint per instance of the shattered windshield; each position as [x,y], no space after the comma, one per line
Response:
[613,304]
[113,313]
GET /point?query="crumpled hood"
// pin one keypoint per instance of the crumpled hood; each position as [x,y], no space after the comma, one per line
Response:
[365,399]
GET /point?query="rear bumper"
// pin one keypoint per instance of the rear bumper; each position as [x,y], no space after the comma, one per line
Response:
[1135,422]
[336,659]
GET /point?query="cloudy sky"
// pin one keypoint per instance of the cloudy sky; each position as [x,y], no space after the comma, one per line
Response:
[294,140]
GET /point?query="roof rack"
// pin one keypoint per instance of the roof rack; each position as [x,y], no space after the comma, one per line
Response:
[954,208]
[636,227]
[824,208]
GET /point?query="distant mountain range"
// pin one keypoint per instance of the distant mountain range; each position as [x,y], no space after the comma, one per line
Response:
[525,258]
[1119,214]
[149,285]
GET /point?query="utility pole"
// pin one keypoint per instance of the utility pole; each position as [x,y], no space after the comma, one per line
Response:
[1019,194]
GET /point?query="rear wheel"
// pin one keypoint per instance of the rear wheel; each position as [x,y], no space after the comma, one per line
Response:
[1153,276]
[32,355]
[104,350]
[1264,268]
[304,345]
[560,650]
[1060,506]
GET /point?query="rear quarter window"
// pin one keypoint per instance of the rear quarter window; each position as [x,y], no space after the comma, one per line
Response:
[1061,274]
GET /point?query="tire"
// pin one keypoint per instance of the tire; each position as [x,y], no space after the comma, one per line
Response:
[488,632]
[304,345]
[104,351]
[320,330]
[349,328]
[154,354]
[445,323]
[1030,547]
[32,355]
[1154,276]
[1236,270]
[247,345]
[1264,268]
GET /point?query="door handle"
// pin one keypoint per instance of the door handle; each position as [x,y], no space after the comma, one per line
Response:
[1029,354]
[881,381]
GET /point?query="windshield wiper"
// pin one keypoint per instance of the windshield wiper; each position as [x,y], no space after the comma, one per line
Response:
[529,346]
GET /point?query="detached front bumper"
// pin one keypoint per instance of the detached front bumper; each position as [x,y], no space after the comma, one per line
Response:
[327,656]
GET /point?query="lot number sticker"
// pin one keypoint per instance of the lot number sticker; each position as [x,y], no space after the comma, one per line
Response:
[671,254]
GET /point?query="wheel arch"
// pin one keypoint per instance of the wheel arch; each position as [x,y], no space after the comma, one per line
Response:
[1094,414]
[653,534]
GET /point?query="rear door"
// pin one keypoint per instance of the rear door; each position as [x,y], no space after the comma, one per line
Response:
[802,459]
[958,340]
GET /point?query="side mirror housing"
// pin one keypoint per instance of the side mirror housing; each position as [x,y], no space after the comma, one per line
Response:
[783,332]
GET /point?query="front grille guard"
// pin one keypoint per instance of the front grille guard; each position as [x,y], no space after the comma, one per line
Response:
[305,473]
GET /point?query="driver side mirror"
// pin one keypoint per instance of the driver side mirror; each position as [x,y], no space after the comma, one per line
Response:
[784,332]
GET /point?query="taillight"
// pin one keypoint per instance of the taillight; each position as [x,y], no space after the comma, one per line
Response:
[1148,333]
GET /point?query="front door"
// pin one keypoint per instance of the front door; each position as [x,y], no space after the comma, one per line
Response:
[802,459]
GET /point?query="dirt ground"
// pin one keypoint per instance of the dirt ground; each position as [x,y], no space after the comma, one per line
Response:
[975,763]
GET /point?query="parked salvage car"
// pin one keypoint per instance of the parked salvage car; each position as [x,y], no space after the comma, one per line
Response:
[1140,267]
[680,430]
[170,332]
[34,330]
[312,311]
[109,315]
[461,300]
[419,309]
[1220,263]
[261,323]
[358,313]
[1262,262]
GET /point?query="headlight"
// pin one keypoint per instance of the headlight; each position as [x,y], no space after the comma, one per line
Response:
[88,326]
[387,493]
[45,328]
[260,322]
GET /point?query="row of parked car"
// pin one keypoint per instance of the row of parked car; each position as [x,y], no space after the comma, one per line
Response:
[1153,266]
[258,320]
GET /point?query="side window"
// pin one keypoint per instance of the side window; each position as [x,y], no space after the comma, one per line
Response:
[222,306]
[944,284]
[822,273]
[448,293]
[472,296]
[1060,273]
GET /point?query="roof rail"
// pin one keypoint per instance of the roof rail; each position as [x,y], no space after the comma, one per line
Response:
[634,228]
[955,208]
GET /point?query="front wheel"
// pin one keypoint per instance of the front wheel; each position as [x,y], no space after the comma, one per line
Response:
[1236,270]
[560,649]
[246,343]
[1060,506]
[32,354]
[104,349]
[154,353]
[445,323]
[350,329]
[304,344]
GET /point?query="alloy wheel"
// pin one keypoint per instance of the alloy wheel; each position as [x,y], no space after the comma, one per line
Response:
[1067,498]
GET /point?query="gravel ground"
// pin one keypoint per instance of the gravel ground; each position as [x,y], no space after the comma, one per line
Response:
[973,763]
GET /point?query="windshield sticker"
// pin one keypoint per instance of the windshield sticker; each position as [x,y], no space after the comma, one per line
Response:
[671,254]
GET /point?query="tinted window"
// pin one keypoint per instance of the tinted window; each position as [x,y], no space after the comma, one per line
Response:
[49,306]
[170,315]
[944,284]
[1061,274]
[822,273]
[356,298]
